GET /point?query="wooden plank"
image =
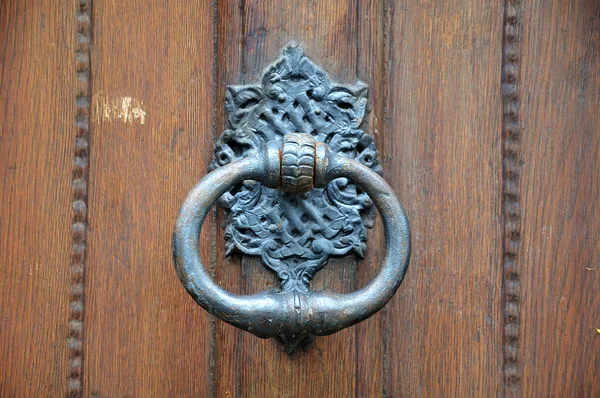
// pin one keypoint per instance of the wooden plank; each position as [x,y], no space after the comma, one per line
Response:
[330,35]
[37,133]
[560,188]
[228,270]
[370,68]
[443,156]
[152,135]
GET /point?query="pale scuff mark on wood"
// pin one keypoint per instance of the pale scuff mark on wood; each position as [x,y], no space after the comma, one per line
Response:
[127,110]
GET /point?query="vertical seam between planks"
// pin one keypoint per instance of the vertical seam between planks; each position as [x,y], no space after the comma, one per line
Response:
[213,243]
[242,45]
[511,212]
[356,69]
[80,199]
[384,103]
[239,336]
[358,31]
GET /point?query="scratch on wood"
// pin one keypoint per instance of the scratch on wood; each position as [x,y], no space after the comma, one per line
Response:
[79,205]
[126,110]
[511,171]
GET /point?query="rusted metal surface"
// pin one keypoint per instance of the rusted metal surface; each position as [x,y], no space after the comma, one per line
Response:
[300,181]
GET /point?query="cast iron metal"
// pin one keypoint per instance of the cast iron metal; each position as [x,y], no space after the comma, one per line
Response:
[299,181]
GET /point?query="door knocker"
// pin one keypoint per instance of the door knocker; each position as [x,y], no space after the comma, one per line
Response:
[299,181]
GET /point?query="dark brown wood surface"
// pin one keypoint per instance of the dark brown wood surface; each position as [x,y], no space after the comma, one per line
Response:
[486,115]
[37,113]
[443,157]
[560,190]
[144,336]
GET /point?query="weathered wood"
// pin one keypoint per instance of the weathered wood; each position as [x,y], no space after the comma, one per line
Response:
[152,135]
[442,149]
[228,270]
[370,346]
[486,117]
[37,133]
[560,189]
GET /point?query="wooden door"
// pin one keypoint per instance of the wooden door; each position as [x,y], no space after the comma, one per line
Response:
[487,118]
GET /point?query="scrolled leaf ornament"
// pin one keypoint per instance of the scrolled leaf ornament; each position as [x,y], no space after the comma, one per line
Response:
[296,230]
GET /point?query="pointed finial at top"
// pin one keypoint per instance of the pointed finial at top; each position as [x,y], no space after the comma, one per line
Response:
[293,49]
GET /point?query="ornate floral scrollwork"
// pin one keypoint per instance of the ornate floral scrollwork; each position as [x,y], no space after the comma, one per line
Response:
[295,234]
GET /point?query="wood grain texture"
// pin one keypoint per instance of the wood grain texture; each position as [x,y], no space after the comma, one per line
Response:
[152,135]
[228,270]
[370,346]
[560,188]
[37,131]
[443,157]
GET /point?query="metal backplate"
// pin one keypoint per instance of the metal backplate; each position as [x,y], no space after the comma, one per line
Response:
[295,234]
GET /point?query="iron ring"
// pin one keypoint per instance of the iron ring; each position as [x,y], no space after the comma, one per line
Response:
[291,316]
